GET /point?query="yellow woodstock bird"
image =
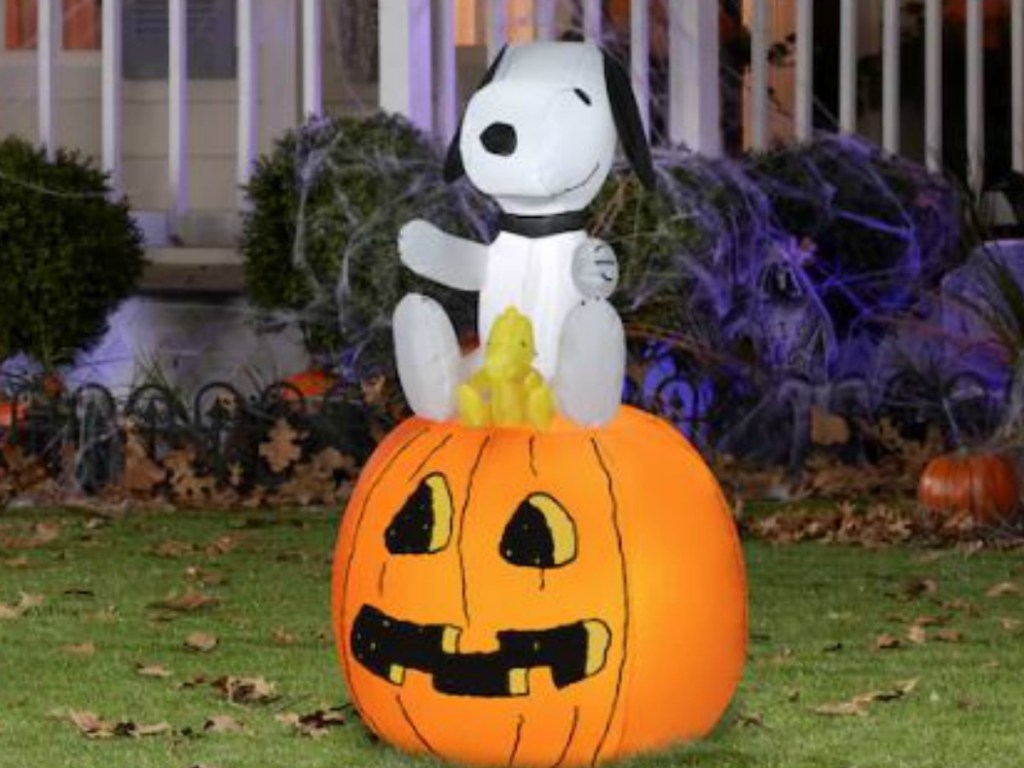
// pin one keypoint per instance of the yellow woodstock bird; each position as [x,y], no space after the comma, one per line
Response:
[507,390]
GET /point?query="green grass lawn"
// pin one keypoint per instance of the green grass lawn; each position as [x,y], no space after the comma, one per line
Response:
[816,614]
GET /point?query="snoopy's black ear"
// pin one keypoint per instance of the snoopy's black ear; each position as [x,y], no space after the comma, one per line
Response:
[627,120]
[453,168]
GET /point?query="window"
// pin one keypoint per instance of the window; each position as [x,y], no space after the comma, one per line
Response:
[80,27]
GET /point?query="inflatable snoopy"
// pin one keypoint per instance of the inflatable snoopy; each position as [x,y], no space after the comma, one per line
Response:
[538,136]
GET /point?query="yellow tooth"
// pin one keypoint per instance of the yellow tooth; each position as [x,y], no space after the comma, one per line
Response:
[450,640]
[396,674]
[518,684]
[599,637]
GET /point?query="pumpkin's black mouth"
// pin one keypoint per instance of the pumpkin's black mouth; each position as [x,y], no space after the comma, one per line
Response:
[388,647]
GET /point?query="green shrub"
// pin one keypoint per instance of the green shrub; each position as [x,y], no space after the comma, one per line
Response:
[320,234]
[68,254]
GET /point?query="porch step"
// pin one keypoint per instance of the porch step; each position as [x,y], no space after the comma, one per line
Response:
[194,229]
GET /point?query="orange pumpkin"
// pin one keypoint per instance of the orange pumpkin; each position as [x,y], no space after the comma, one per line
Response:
[313,383]
[984,486]
[511,597]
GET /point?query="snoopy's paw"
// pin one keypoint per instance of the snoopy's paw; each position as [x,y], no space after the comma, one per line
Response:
[415,239]
[595,269]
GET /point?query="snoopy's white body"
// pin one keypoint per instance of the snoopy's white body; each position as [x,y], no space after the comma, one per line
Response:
[539,137]
[534,275]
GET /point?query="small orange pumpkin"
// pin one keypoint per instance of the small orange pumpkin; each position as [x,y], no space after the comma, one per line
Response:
[984,486]
[507,596]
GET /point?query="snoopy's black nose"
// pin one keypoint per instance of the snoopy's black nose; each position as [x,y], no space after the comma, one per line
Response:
[499,139]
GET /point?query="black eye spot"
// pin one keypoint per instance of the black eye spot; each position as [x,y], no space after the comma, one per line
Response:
[424,523]
[583,95]
[540,534]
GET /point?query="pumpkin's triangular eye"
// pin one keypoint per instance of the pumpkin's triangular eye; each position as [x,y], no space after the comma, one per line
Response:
[424,523]
[540,534]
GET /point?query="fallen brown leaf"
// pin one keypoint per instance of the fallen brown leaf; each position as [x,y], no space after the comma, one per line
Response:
[949,636]
[282,450]
[92,726]
[172,548]
[858,706]
[223,724]
[152,670]
[842,709]
[1009,624]
[15,562]
[201,642]
[26,603]
[186,603]
[246,690]
[887,642]
[43,533]
[917,634]
[315,724]
[281,637]
[1003,589]
[917,587]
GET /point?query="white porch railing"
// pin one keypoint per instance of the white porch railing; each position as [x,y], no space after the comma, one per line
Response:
[418,74]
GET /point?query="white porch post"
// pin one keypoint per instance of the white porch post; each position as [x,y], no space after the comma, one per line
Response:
[312,65]
[891,76]
[48,39]
[975,96]
[804,107]
[446,117]
[544,19]
[694,88]
[1017,78]
[933,85]
[848,66]
[639,54]
[177,106]
[111,96]
[759,75]
[497,28]
[406,60]
[248,92]
[592,26]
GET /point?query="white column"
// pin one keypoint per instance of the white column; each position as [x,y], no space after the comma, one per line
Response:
[975,96]
[111,93]
[759,75]
[1017,67]
[497,28]
[592,28]
[544,19]
[48,26]
[405,60]
[891,76]
[639,58]
[312,64]
[177,105]
[694,87]
[848,66]
[248,91]
[804,107]
[933,85]
[446,86]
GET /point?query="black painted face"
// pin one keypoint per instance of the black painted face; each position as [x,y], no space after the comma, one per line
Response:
[540,534]
[388,647]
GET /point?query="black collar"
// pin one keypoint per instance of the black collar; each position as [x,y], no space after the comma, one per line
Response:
[542,226]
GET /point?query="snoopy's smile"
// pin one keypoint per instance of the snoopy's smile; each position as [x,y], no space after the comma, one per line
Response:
[387,647]
[589,176]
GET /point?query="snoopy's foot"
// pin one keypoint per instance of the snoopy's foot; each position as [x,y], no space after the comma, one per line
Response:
[427,356]
[591,364]
[473,411]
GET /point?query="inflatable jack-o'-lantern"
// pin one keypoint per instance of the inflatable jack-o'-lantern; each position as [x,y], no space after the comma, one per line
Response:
[509,596]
